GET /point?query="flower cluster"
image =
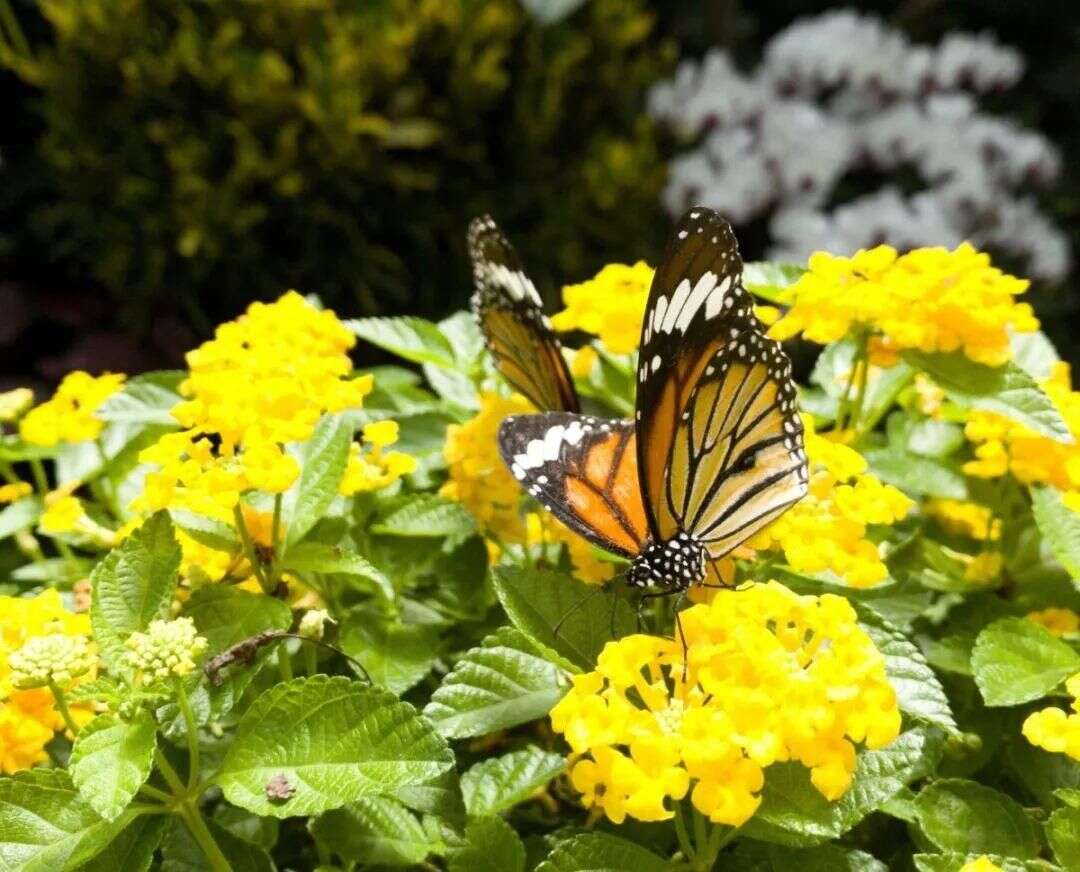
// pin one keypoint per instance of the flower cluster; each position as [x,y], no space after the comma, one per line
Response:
[827,529]
[1002,445]
[1060,622]
[963,518]
[167,649]
[53,659]
[1052,729]
[68,416]
[28,718]
[770,676]
[931,299]
[373,467]
[610,305]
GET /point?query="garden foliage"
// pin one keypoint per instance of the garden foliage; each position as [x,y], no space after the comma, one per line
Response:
[272,612]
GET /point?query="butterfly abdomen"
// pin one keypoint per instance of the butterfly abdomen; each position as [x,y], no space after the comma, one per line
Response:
[675,564]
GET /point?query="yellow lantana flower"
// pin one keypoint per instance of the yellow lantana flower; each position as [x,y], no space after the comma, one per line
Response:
[770,676]
[980,864]
[827,529]
[1058,621]
[371,467]
[930,299]
[965,519]
[69,415]
[609,305]
[1052,729]
[15,491]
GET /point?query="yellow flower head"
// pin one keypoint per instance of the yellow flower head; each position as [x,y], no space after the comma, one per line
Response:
[610,305]
[931,299]
[370,467]
[980,864]
[15,491]
[965,519]
[69,415]
[14,403]
[1060,622]
[771,676]
[62,514]
[1054,730]
[826,530]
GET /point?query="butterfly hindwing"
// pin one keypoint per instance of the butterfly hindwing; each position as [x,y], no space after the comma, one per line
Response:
[719,436]
[525,349]
[584,470]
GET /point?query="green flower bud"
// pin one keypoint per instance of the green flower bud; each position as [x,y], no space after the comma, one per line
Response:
[313,624]
[56,658]
[167,648]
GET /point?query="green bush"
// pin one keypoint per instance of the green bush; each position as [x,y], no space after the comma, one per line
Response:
[214,150]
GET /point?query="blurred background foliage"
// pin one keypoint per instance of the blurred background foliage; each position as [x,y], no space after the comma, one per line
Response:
[167,161]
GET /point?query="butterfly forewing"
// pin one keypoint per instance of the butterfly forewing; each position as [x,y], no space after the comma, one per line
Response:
[584,470]
[508,308]
[720,440]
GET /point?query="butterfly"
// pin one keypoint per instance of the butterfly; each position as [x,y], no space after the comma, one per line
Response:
[517,333]
[715,451]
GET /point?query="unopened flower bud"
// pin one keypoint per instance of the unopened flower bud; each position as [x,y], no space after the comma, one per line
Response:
[54,659]
[313,624]
[167,648]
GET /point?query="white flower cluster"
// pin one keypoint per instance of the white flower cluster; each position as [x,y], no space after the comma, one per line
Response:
[843,93]
[53,659]
[167,648]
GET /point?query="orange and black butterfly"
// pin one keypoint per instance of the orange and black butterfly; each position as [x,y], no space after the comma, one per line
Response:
[516,331]
[716,448]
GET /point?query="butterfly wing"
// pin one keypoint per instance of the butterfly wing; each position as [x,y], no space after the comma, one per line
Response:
[519,337]
[720,444]
[584,470]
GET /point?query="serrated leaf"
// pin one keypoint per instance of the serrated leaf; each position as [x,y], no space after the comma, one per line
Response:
[374,831]
[771,279]
[1016,660]
[110,761]
[414,339]
[395,656]
[538,602]
[965,817]
[428,516]
[334,741]
[133,849]
[145,399]
[752,856]
[181,853]
[499,684]
[133,585]
[336,560]
[323,459]
[1007,390]
[490,846]
[440,797]
[601,852]
[206,531]
[45,825]
[497,784]
[918,691]
[1063,833]
[226,615]
[793,813]
[20,515]
[1059,526]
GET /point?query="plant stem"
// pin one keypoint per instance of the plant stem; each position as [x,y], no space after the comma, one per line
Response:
[719,838]
[41,480]
[701,841]
[311,659]
[169,774]
[284,663]
[154,793]
[107,486]
[5,468]
[197,827]
[65,712]
[862,374]
[685,845]
[249,549]
[192,731]
[276,540]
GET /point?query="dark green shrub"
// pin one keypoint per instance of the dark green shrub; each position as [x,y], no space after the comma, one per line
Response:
[215,151]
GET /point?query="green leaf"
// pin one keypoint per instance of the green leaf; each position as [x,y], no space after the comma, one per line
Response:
[752,856]
[914,474]
[440,797]
[490,846]
[336,560]
[966,817]
[181,853]
[770,279]
[20,515]
[133,849]
[931,438]
[428,516]
[323,459]
[600,852]
[374,831]
[414,339]
[206,531]
[1007,390]
[1063,832]
[792,812]
[226,615]
[395,656]
[918,691]
[497,784]
[1059,526]
[587,618]
[502,683]
[110,761]
[334,741]
[145,399]
[45,826]
[132,586]
[1016,660]
[956,862]
[1034,353]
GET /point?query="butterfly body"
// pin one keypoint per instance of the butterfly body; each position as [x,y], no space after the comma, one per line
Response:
[715,451]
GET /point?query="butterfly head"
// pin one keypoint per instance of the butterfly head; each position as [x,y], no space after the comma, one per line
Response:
[675,564]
